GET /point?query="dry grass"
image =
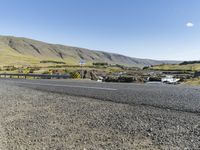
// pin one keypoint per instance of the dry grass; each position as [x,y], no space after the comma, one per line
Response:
[189,67]
[194,81]
[8,56]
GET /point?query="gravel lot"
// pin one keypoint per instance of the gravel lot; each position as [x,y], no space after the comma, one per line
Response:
[31,119]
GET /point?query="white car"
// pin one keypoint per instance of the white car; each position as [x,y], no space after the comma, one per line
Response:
[170,80]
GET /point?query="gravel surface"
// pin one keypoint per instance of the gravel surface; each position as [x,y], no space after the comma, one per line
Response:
[32,119]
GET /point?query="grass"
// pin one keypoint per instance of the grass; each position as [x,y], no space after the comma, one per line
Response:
[8,56]
[62,68]
[184,68]
[189,67]
[194,81]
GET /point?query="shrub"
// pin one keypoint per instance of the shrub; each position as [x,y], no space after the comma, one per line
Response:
[46,72]
[127,79]
[156,79]
[100,64]
[52,61]
[146,67]
[189,62]
[9,68]
[75,75]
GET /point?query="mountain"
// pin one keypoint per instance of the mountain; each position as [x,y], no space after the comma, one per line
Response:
[23,51]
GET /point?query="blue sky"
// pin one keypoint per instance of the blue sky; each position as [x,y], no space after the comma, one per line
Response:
[156,29]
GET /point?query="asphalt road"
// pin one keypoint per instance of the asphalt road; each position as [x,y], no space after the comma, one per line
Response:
[75,114]
[173,97]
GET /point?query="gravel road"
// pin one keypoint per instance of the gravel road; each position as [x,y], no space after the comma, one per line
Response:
[32,119]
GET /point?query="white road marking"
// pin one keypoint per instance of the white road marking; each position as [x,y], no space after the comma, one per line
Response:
[72,86]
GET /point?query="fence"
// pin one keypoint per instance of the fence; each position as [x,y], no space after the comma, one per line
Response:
[36,76]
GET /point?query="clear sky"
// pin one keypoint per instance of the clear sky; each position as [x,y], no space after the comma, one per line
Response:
[156,29]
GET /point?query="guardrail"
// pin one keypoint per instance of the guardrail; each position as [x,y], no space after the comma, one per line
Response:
[42,76]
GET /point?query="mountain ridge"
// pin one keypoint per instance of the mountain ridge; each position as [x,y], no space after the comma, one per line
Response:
[20,50]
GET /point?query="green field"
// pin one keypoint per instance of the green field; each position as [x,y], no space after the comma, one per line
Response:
[189,67]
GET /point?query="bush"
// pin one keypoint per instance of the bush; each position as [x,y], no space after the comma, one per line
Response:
[190,62]
[100,64]
[127,79]
[120,66]
[155,79]
[111,79]
[46,72]
[75,75]
[52,61]
[9,68]
[146,67]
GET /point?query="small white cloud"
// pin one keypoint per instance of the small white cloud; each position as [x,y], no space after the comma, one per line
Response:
[189,25]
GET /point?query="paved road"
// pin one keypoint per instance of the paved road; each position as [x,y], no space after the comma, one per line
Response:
[157,116]
[174,97]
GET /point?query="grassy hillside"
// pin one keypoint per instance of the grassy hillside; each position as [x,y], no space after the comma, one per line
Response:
[23,51]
